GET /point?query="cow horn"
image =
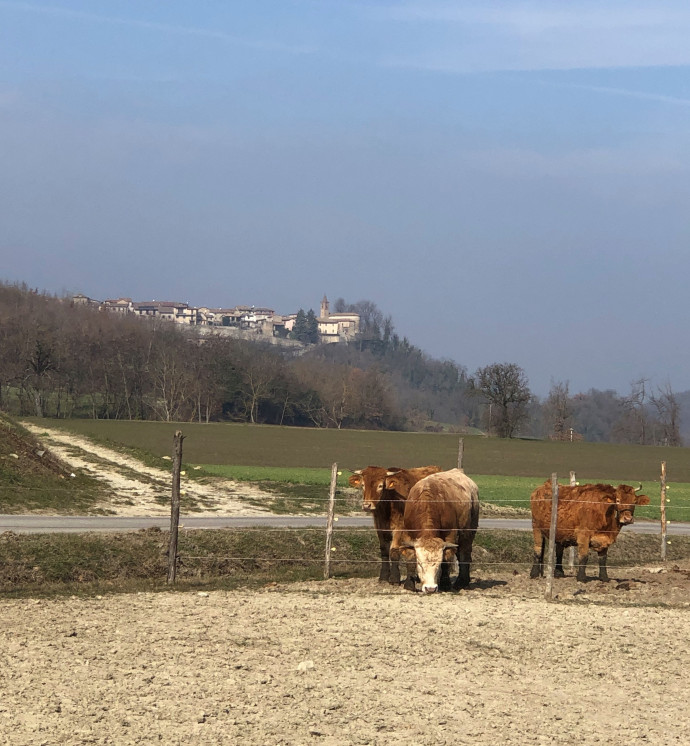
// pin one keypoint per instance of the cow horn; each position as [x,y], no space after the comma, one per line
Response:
[639,489]
[450,545]
[391,473]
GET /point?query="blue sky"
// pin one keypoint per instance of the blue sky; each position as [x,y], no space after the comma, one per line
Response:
[509,180]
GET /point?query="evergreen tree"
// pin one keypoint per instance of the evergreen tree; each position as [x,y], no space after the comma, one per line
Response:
[300,331]
[312,327]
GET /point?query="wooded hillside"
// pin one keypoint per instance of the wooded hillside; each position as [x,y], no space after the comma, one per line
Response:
[61,360]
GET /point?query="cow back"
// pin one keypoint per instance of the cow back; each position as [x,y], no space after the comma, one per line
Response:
[588,507]
[446,500]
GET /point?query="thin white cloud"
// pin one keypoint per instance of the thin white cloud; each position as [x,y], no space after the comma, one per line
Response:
[158,27]
[675,100]
[470,36]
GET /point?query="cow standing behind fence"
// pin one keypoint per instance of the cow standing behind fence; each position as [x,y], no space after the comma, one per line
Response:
[386,507]
[590,516]
[441,518]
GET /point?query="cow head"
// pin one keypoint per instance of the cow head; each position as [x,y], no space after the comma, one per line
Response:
[626,500]
[371,481]
[396,481]
[431,554]
[401,481]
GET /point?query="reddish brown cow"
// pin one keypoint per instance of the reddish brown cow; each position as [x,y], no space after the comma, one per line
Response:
[589,516]
[441,515]
[386,506]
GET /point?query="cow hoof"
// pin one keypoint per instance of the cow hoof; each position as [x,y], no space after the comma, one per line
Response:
[534,573]
[409,585]
[558,574]
[581,578]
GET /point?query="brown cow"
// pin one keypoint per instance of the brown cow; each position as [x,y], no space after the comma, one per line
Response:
[589,516]
[386,507]
[441,515]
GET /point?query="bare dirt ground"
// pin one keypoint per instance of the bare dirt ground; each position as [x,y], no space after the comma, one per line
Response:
[350,662]
[140,490]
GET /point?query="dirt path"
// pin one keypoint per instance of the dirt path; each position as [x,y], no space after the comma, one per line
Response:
[140,490]
[342,662]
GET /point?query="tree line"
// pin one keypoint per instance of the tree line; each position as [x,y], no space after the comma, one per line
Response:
[61,360]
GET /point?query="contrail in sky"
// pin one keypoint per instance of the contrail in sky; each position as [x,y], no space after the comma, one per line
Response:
[153,26]
[625,92]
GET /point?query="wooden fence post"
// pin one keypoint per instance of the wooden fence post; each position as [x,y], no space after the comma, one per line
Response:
[329,525]
[175,506]
[663,511]
[572,551]
[552,536]
[461,451]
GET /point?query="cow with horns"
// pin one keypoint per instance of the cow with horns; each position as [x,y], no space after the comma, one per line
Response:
[386,506]
[440,520]
[590,516]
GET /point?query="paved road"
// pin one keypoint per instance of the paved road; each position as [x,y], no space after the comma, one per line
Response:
[41,524]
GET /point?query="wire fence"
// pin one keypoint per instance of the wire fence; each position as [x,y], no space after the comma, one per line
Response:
[342,504]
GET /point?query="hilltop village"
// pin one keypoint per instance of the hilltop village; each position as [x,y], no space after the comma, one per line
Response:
[246,321]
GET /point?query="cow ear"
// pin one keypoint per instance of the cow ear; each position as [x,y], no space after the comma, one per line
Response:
[642,500]
[390,483]
[609,499]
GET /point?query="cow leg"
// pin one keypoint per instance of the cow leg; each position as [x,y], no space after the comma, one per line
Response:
[412,577]
[384,545]
[538,563]
[464,555]
[394,578]
[444,583]
[603,574]
[582,557]
[558,570]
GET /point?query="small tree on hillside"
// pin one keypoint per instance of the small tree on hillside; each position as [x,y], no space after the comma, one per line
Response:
[505,388]
[300,330]
[312,327]
[558,411]
[668,415]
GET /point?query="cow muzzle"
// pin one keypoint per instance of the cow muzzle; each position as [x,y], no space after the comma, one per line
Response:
[429,588]
[369,507]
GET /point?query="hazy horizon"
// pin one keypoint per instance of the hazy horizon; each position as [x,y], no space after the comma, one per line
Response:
[509,181]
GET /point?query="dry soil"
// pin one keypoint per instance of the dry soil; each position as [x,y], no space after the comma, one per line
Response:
[354,662]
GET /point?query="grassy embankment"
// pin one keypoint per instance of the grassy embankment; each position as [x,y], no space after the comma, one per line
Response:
[94,563]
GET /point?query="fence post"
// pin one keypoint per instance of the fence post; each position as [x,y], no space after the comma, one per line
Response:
[329,525]
[461,451]
[552,536]
[175,506]
[572,551]
[663,511]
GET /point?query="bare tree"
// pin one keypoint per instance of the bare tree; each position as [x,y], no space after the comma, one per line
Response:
[506,390]
[632,426]
[558,411]
[668,415]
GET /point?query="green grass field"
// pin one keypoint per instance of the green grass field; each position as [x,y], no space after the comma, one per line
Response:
[300,459]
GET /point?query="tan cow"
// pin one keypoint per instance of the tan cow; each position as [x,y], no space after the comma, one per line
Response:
[589,516]
[386,506]
[441,518]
